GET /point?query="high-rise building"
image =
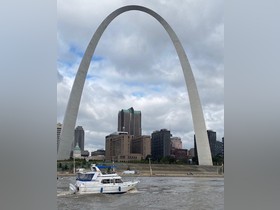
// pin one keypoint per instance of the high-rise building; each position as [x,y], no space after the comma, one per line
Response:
[160,144]
[177,149]
[118,147]
[141,145]
[130,121]
[79,137]
[219,148]
[176,143]
[58,131]
[212,141]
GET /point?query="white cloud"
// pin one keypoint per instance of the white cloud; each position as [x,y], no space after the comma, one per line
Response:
[137,66]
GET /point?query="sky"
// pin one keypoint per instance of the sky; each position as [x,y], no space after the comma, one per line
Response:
[135,65]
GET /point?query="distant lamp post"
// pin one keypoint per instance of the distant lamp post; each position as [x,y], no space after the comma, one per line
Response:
[151,172]
[74,164]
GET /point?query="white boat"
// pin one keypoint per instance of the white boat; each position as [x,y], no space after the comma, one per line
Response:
[129,172]
[95,181]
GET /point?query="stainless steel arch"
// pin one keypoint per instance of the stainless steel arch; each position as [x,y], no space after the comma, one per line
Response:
[66,138]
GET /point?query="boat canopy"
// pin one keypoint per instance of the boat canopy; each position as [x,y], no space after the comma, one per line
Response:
[102,166]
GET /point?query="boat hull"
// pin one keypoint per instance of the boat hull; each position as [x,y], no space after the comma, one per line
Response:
[95,188]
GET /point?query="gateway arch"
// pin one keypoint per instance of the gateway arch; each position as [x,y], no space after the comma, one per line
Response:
[66,136]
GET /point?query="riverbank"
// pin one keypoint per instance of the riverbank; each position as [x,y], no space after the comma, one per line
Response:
[164,170]
[155,175]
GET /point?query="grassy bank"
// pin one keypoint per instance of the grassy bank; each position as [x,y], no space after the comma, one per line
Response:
[166,170]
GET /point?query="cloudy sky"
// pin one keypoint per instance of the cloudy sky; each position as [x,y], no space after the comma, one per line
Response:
[135,65]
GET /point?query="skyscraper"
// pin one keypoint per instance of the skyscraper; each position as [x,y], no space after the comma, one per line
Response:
[160,144]
[219,148]
[212,141]
[130,121]
[79,137]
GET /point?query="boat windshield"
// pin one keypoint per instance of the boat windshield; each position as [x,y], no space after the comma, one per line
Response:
[84,177]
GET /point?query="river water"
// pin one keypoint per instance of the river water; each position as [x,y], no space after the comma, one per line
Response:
[172,193]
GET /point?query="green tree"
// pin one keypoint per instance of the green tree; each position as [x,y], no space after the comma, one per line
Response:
[194,161]
[65,167]
[218,159]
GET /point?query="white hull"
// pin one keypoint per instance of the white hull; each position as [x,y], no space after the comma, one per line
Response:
[94,188]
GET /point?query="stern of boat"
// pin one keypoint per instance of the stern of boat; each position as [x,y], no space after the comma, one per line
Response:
[72,188]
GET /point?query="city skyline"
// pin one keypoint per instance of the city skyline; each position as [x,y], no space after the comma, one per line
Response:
[150,79]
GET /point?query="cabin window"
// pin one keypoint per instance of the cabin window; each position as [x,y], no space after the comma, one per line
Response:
[118,181]
[105,181]
[84,177]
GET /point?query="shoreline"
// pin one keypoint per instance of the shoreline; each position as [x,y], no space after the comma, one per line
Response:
[157,175]
[162,170]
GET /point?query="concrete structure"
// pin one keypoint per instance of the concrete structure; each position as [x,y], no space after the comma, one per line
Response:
[129,158]
[70,117]
[130,121]
[58,131]
[212,142]
[161,144]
